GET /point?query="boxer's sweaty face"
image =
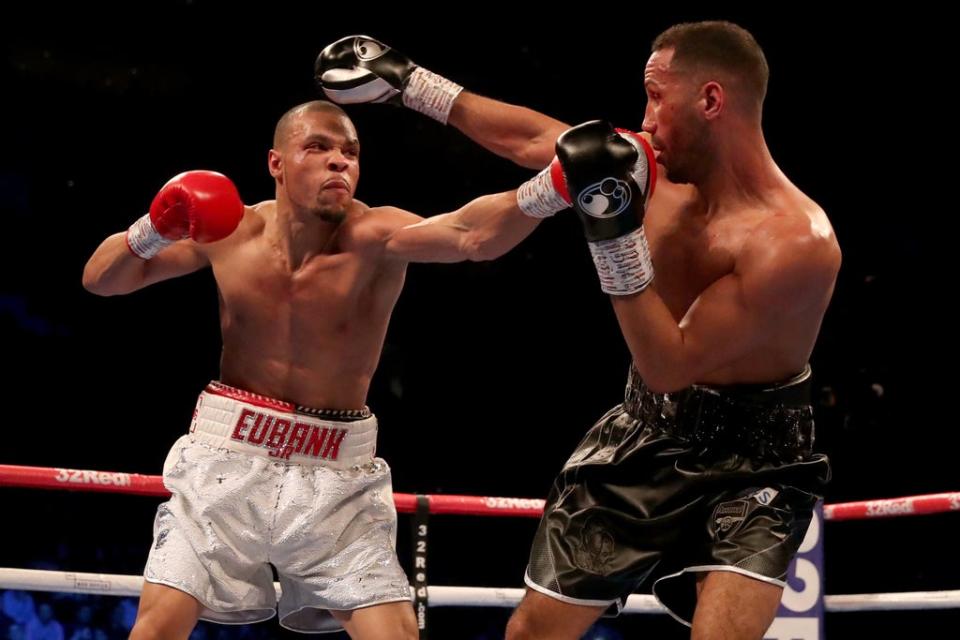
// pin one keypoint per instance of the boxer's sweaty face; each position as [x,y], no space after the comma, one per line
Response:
[678,135]
[321,164]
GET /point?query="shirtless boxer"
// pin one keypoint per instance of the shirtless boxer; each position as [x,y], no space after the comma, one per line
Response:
[278,467]
[702,483]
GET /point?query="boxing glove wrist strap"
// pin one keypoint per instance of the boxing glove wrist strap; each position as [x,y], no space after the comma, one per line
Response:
[143,240]
[538,198]
[623,263]
[430,94]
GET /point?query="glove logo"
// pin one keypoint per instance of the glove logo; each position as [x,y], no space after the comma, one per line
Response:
[605,199]
[367,50]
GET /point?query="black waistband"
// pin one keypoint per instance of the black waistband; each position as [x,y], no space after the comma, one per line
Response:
[759,420]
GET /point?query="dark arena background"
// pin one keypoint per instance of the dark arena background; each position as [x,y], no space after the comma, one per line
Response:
[491,371]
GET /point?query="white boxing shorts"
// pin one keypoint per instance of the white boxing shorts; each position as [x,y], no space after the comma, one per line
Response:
[260,482]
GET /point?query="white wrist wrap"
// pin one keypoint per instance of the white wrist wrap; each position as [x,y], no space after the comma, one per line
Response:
[430,94]
[538,198]
[623,263]
[144,240]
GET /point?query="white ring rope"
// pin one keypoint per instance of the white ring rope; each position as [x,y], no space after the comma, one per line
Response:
[120,585]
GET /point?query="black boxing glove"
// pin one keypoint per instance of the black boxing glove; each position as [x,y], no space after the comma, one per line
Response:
[610,175]
[359,69]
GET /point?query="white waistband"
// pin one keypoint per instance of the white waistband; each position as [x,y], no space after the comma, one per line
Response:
[225,421]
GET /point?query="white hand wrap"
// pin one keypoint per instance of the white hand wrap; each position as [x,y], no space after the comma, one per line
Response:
[538,197]
[430,94]
[144,240]
[623,263]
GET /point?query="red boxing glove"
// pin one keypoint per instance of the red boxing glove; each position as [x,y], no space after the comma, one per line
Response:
[203,205]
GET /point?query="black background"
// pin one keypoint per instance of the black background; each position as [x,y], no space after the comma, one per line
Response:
[491,371]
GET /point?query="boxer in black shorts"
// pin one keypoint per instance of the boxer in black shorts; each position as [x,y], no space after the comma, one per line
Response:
[728,482]
[712,473]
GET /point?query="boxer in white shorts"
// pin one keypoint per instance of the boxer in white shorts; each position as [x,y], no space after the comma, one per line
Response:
[259,482]
[307,284]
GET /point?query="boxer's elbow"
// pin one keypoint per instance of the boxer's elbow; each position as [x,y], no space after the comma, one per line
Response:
[98,281]
[97,286]
[94,282]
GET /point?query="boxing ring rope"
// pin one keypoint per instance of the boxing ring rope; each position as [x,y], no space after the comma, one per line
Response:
[440,596]
[119,585]
[144,485]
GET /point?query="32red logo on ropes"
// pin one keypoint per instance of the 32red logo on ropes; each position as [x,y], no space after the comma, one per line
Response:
[513,503]
[77,476]
[889,507]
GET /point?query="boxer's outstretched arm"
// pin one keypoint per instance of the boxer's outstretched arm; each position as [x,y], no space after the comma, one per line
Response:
[522,135]
[358,69]
[484,229]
